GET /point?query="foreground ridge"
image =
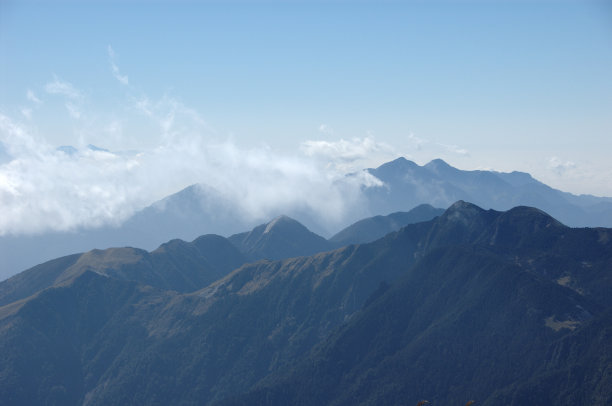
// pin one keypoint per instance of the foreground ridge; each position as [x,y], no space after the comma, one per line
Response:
[474,303]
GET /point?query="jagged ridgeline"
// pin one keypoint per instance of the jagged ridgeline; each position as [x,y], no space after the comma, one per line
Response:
[507,308]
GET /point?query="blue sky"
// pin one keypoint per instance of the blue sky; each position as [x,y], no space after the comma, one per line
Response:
[523,85]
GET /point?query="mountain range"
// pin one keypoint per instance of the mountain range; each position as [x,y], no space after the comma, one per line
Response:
[505,307]
[199,209]
[188,266]
[439,184]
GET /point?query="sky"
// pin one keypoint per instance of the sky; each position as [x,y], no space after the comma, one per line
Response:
[246,93]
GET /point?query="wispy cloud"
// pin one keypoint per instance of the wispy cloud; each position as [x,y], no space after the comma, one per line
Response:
[31,96]
[123,79]
[172,117]
[559,166]
[63,88]
[435,148]
[455,149]
[74,98]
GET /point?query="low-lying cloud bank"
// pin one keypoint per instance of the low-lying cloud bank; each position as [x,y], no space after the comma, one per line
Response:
[44,187]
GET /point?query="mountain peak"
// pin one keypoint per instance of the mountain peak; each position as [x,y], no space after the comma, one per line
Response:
[440,167]
[462,212]
[437,163]
[282,221]
[400,163]
[464,206]
[530,218]
[67,149]
[282,237]
[96,148]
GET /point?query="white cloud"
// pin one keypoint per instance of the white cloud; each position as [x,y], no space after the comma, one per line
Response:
[63,88]
[32,97]
[559,166]
[123,79]
[345,152]
[454,149]
[43,188]
[435,149]
[579,175]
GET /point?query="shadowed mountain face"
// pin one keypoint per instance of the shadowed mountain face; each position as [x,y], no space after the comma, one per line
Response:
[485,313]
[198,210]
[460,325]
[473,304]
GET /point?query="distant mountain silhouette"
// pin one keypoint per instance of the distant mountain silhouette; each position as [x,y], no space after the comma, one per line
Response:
[439,184]
[503,307]
[373,228]
[199,209]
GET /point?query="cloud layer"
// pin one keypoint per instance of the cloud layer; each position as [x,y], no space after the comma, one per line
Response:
[43,187]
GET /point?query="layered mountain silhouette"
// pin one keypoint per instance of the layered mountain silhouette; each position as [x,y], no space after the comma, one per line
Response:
[183,215]
[373,228]
[439,184]
[199,209]
[188,266]
[503,307]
